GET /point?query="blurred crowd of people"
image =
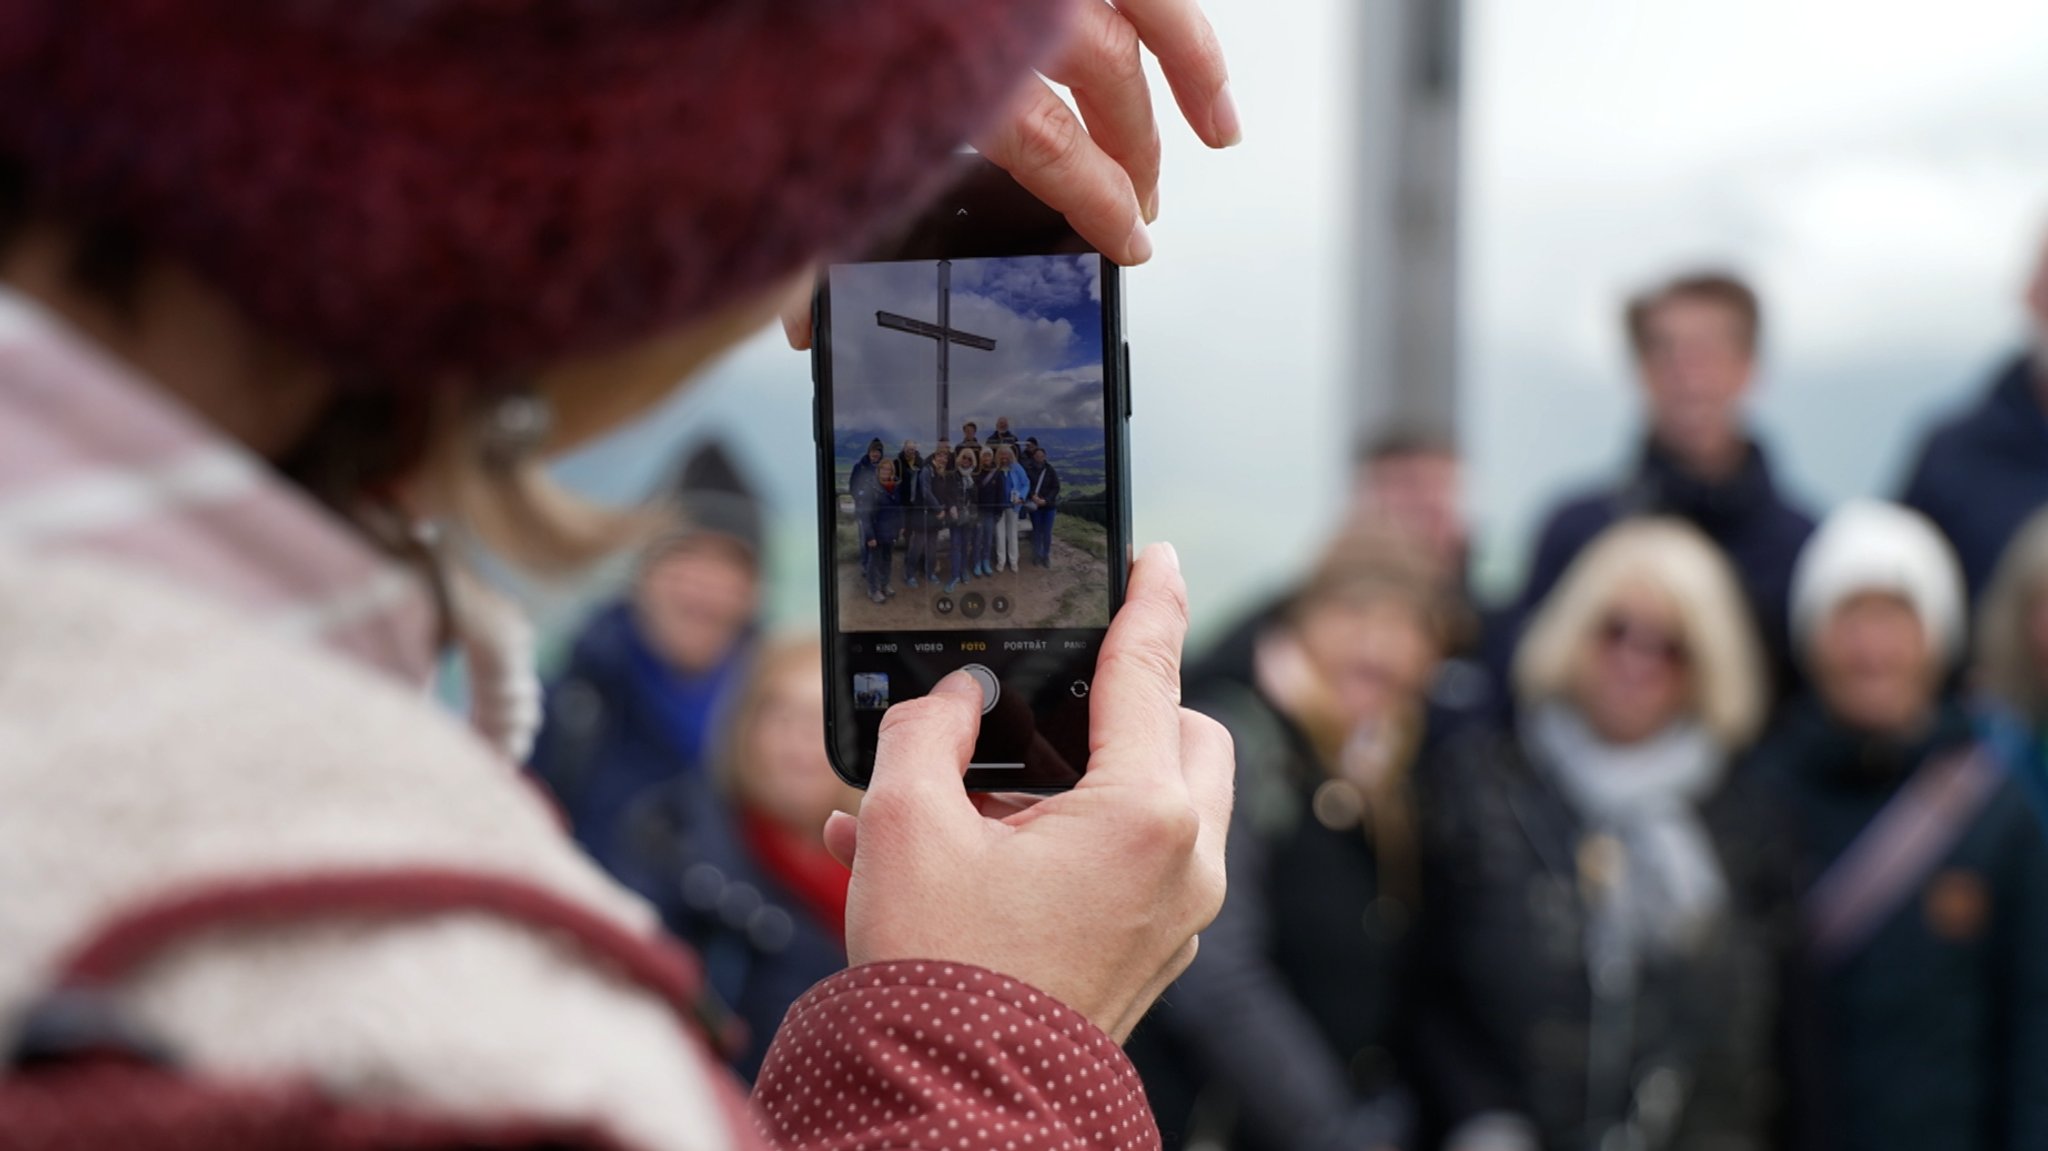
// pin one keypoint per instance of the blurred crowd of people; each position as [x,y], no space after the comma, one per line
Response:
[1725,832]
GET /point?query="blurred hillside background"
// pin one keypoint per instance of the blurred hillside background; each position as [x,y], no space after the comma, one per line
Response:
[1879,167]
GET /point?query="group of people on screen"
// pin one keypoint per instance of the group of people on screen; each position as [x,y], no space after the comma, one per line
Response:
[978,495]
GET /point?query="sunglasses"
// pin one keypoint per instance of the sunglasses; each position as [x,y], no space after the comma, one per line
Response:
[1620,633]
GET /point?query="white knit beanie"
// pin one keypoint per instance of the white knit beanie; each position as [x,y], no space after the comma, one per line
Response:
[1872,546]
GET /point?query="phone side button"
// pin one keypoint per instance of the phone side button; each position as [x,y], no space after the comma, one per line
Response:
[817,432]
[1127,379]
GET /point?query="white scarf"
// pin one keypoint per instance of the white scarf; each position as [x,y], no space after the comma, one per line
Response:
[1646,795]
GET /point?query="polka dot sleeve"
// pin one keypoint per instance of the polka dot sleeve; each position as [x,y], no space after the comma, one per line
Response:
[936,1055]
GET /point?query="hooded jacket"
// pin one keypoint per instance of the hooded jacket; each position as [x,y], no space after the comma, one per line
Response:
[864,466]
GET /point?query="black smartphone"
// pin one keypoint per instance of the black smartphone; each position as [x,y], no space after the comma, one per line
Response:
[972,403]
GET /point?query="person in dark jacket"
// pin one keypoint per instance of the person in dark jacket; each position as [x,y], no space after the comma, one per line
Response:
[1695,341]
[1980,475]
[864,470]
[914,492]
[1282,1034]
[2012,660]
[1043,498]
[1002,437]
[879,508]
[1927,873]
[1406,479]
[960,516]
[772,769]
[634,721]
[992,498]
[647,682]
[909,458]
[1606,922]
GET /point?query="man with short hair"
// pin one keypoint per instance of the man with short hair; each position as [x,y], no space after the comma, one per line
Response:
[1695,340]
[1980,474]
[1002,436]
[968,438]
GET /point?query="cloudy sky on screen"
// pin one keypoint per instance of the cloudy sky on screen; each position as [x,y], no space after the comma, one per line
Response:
[1043,312]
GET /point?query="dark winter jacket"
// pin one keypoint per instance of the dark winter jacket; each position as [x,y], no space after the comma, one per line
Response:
[1981,474]
[955,495]
[915,493]
[1937,1029]
[614,755]
[1753,523]
[1509,1018]
[1044,483]
[885,517]
[1287,1016]
[1465,693]
[992,490]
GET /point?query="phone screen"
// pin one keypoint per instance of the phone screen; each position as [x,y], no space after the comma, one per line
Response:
[971,409]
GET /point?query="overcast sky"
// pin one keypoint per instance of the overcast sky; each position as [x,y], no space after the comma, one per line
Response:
[1880,167]
[1043,312]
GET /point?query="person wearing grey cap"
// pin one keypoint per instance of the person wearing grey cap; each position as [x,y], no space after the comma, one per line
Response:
[634,719]
[1925,871]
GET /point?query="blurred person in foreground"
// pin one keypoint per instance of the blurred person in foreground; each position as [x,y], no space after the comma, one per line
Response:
[626,740]
[2012,660]
[302,289]
[1926,897]
[1286,1022]
[1606,919]
[784,899]
[1696,341]
[1979,475]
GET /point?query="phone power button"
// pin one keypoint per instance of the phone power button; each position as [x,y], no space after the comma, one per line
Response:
[1127,379]
[991,687]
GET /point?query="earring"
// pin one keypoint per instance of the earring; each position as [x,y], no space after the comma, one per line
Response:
[513,427]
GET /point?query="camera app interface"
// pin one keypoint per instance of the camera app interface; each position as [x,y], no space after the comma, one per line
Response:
[972,529]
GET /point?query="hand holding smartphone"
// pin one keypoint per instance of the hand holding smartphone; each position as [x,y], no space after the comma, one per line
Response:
[972,402]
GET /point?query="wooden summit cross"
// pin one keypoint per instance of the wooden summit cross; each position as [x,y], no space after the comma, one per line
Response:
[946,335]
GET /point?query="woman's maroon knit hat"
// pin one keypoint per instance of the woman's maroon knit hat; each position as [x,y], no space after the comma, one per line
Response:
[421,187]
